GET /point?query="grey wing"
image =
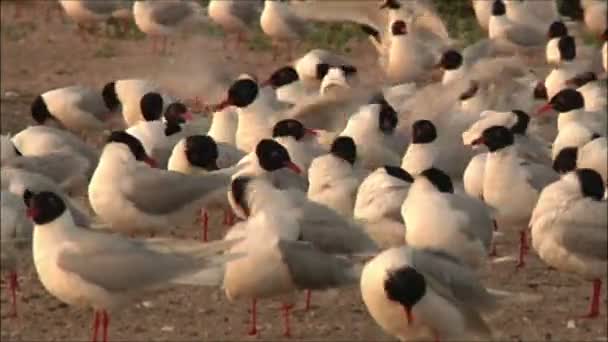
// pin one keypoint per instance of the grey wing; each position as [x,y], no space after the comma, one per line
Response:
[448,274]
[480,225]
[314,270]
[92,102]
[332,233]
[60,167]
[585,230]
[539,176]
[525,36]
[171,13]
[483,48]
[532,149]
[286,179]
[163,192]
[116,264]
[297,25]
[247,11]
[100,7]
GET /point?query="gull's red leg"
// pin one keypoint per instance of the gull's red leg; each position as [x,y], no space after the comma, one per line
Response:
[286,312]
[594,309]
[106,322]
[253,329]
[95,326]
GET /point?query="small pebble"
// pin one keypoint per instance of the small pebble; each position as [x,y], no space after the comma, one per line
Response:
[571,324]
[167,328]
[11,94]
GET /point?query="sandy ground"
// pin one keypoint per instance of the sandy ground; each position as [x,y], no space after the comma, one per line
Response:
[47,54]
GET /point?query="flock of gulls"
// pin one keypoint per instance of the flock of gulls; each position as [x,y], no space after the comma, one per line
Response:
[327,180]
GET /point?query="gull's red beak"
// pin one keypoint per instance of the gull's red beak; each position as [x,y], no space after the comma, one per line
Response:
[311,132]
[478,141]
[545,108]
[32,212]
[151,162]
[408,315]
[293,167]
[187,116]
[221,106]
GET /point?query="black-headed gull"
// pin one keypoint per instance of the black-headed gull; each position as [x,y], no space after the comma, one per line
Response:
[569,228]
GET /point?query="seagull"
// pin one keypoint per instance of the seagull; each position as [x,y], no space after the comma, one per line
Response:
[415,293]
[20,182]
[280,24]
[593,92]
[16,234]
[528,147]
[568,66]
[76,108]
[301,142]
[200,154]
[461,226]
[557,30]
[592,155]
[256,113]
[158,136]
[378,205]
[570,105]
[373,129]
[129,195]
[126,96]
[105,271]
[506,174]
[569,228]
[591,12]
[235,16]
[335,177]
[161,19]
[51,152]
[573,135]
[504,30]
[87,13]
[284,254]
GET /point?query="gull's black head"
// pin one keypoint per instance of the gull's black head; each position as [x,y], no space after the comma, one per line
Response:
[151,105]
[557,29]
[566,100]
[440,180]
[399,28]
[565,161]
[344,148]
[110,98]
[498,8]
[592,184]
[399,173]
[582,79]
[45,207]
[423,132]
[239,192]
[405,286]
[572,9]
[135,146]
[284,76]
[540,91]
[40,112]
[289,128]
[322,70]
[567,48]
[521,125]
[273,156]
[242,93]
[391,4]
[495,138]
[451,60]
[469,93]
[387,118]
[201,151]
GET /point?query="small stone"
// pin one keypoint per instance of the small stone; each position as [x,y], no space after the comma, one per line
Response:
[11,94]
[147,304]
[571,324]
[167,328]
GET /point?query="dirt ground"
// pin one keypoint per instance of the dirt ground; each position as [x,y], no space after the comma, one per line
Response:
[45,54]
